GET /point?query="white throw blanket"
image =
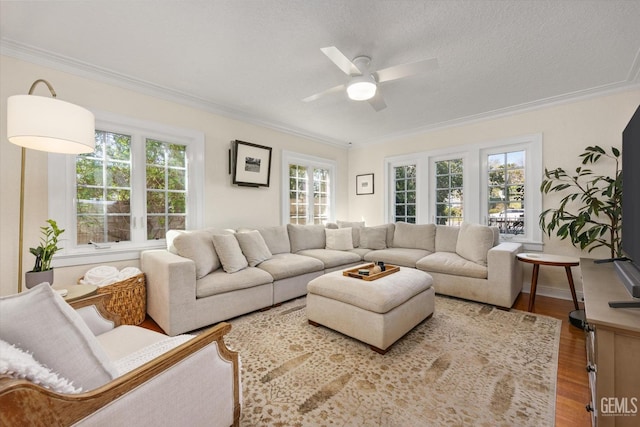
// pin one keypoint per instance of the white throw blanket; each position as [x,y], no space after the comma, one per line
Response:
[106,275]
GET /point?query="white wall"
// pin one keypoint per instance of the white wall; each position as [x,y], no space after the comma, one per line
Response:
[225,205]
[567,129]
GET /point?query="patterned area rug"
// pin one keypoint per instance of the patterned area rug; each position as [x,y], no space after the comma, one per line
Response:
[470,364]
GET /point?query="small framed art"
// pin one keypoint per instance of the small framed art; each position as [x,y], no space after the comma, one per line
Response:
[251,164]
[364,184]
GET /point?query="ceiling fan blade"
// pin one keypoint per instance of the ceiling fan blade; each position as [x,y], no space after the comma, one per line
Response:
[323,93]
[341,61]
[405,70]
[377,102]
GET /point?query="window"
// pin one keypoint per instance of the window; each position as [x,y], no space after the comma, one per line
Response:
[448,192]
[506,186]
[309,193]
[137,184]
[405,193]
[495,183]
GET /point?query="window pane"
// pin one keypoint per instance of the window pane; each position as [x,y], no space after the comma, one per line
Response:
[506,204]
[405,192]
[449,191]
[166,186]
[103,190]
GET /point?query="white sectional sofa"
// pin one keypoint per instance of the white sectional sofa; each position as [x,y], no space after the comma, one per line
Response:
[206,276]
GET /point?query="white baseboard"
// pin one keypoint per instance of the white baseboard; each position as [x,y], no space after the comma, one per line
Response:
[553,292]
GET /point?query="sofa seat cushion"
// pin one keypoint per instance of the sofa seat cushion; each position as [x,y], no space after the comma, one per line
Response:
[332,258]
[220,282]
[283,266]
[451,263]
[397,256]
[361,252]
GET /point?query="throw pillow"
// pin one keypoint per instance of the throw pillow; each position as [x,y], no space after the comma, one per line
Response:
[474,241]
[373,238]
[340,239]
[41,322]
[229,251]
[415,236]
[18,364]
[253,247]
[198,247]
[355,227]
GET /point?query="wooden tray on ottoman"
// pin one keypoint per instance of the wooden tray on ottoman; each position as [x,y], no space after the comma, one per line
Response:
[353,272]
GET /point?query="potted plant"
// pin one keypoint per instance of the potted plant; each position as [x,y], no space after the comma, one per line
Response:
[42,270]
[590,213]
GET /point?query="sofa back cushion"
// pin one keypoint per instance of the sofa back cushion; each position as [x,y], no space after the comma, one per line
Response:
[374,238]
[446,238]
[253,247]
[198,247]
[340,239]
[355,227]
[40,322]
[311,236]
[415,236]
[276,238]
[474,241]
[231,256]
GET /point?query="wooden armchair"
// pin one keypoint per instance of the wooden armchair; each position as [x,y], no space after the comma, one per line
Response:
[195,383]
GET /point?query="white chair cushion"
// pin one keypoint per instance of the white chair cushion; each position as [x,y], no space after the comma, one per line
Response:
[415,236]
[41,322]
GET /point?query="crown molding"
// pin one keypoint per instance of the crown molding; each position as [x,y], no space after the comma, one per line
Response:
[568,98]
[82,69]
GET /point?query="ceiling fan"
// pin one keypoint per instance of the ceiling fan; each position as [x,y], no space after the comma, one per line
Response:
[363,83]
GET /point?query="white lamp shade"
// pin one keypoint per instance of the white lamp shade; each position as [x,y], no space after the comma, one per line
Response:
[362,88]
[48,124]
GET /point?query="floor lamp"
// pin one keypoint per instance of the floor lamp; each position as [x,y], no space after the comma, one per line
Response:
[46,124]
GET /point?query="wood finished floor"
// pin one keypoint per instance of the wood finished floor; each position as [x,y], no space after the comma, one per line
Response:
[572,390]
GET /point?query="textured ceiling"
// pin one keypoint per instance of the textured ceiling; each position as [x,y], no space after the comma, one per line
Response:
[257,60]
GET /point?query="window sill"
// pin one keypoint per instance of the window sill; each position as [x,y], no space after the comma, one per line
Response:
[528,245]
[102,256]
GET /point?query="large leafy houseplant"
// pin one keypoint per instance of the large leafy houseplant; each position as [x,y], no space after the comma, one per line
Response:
[590,213]
[48,246]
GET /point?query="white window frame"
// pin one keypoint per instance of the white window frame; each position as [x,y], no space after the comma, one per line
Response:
[62,190]
[475,183]
[290,157]
[389,177]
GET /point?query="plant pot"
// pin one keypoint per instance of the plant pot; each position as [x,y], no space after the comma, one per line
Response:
[33,278]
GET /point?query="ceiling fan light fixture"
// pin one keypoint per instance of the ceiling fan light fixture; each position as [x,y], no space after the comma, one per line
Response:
[361,88]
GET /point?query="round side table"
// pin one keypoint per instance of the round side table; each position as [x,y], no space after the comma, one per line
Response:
[553,260]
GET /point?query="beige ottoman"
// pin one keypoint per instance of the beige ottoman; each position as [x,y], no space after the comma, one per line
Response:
[377,312]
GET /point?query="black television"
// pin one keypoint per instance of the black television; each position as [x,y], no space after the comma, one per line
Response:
[629,269]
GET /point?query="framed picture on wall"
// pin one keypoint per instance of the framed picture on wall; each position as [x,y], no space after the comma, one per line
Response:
[364,184]
[251,164]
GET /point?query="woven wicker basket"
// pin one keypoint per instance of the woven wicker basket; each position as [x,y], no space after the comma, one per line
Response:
[128,299]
